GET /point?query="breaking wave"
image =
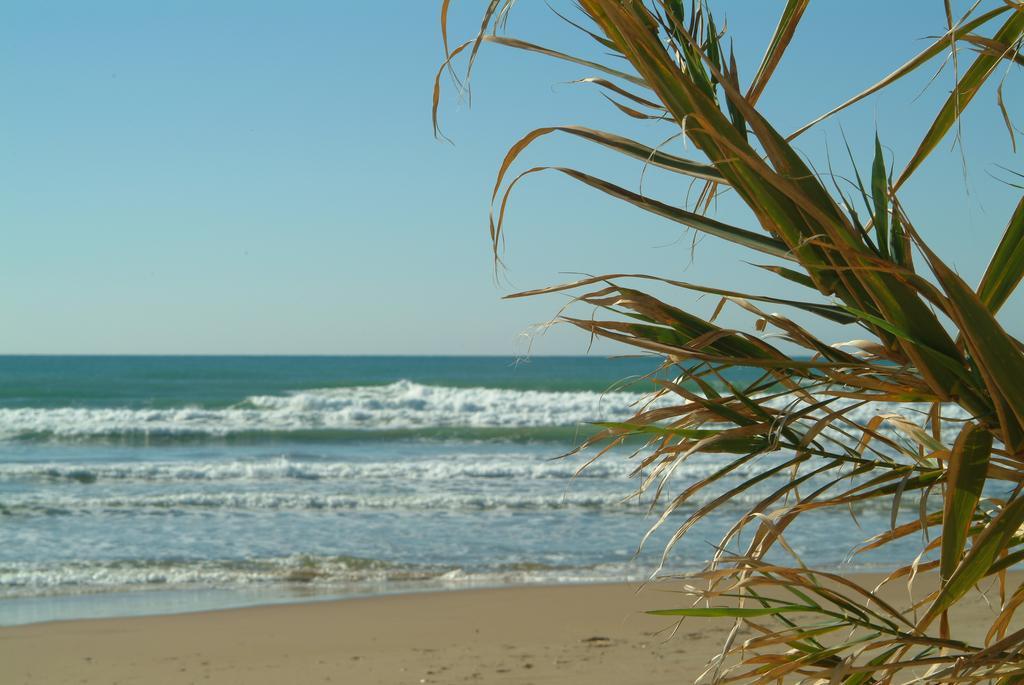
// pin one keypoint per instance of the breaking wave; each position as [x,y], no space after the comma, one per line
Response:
[399,406]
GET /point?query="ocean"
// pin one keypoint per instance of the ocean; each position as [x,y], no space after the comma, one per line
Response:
[133,485]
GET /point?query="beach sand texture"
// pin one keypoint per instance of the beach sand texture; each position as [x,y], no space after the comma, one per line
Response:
[560,634]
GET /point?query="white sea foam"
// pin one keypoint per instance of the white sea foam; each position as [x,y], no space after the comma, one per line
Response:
[16,505]
[28,579]
[513,466]
[402,405]
[120,573]
[617,500]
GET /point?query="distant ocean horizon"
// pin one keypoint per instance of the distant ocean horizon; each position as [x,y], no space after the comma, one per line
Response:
[149,484]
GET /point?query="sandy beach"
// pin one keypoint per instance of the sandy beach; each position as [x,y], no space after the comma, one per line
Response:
[562,634]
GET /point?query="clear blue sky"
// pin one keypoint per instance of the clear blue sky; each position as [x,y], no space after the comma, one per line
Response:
[261,177]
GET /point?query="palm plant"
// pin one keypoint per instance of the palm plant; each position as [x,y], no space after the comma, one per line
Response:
[941,379]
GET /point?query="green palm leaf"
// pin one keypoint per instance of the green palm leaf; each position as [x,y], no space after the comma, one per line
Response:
[814,430]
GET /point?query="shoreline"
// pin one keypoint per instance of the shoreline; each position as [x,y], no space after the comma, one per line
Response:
[573,634]
[313,598]
[205,600]
[155,601]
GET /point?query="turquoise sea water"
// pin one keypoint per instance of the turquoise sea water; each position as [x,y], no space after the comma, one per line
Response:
[152,484]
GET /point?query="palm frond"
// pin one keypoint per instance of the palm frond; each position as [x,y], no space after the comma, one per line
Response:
[922,411]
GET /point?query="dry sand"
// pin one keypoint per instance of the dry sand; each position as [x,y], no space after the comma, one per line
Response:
[565,634]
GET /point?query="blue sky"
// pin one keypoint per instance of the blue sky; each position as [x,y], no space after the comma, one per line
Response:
[261,177]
